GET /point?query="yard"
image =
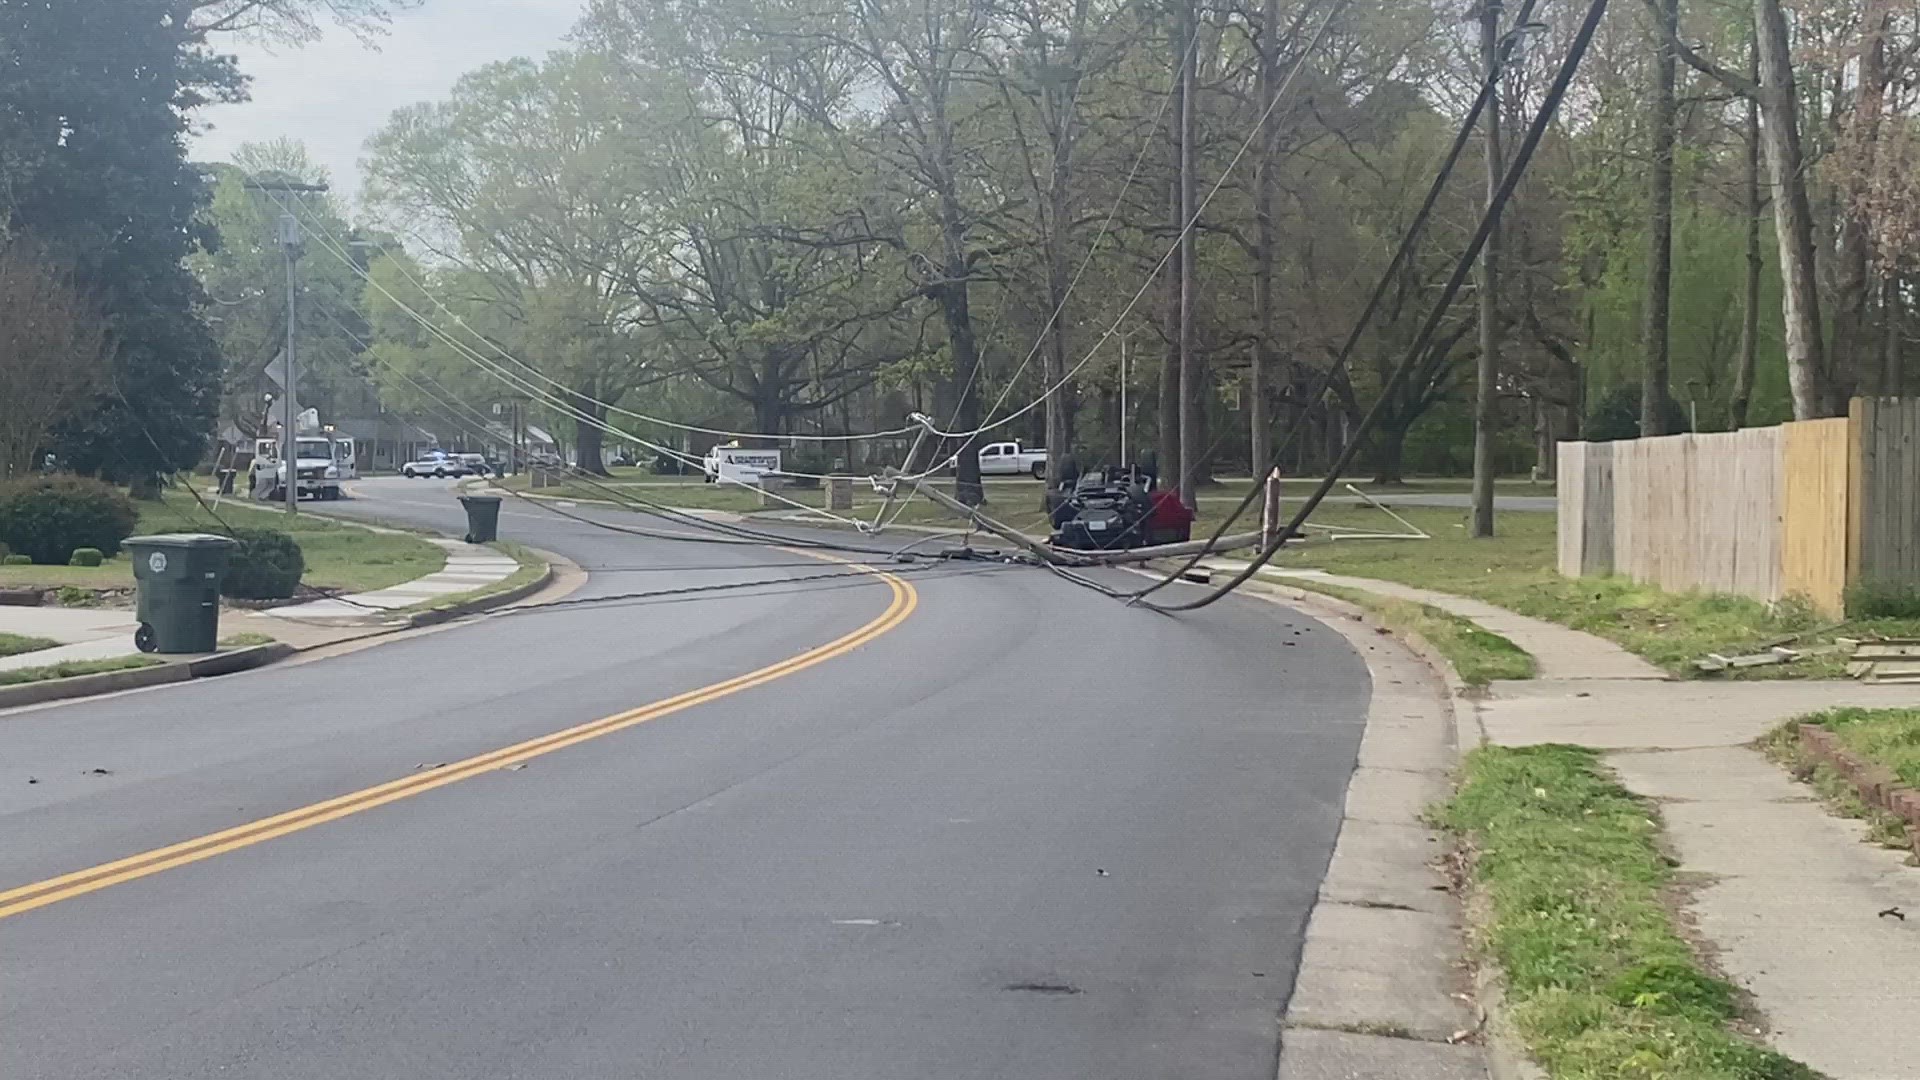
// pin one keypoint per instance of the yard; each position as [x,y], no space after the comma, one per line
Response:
[338,557]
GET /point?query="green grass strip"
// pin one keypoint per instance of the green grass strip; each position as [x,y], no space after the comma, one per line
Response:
[1600,983]
[15,644]
[67,669]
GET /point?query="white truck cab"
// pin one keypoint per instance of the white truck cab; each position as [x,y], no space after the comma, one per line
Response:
[1009,459]
[317,470]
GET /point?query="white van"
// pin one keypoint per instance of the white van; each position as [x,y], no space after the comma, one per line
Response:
[740,465]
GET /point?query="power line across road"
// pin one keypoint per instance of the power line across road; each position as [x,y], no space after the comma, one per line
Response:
[969,845]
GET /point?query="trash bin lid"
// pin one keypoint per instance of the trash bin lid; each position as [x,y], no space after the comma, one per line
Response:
[180,540]
[480,498]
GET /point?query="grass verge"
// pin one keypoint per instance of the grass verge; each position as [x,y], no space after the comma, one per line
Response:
[1600,983]
[1478,656]
[339,557]
[69,668]
[246,639]
[1516,571]
[15,644]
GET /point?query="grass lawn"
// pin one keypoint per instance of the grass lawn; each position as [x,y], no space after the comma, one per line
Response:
[15,644]
[70,668]
[338,556]
[1601,984]
[1477,655]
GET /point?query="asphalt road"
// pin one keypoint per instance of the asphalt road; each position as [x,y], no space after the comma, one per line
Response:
[1018,831]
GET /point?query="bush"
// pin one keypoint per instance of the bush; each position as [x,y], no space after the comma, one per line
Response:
[17,560]
[46,517]
[1883,600]
[86,556]
[263,565]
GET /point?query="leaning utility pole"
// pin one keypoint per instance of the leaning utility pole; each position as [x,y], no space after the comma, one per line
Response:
[1484,384]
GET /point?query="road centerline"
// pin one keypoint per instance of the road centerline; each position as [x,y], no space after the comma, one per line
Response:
[25,898]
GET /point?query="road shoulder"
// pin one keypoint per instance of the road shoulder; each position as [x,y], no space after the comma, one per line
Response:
[1383,991]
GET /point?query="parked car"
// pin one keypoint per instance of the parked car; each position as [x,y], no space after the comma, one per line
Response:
[439,466]
[476,464]
[1008,459]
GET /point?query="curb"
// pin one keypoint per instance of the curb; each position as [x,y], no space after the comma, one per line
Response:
[109,682]
[1505,1058]
[1876,784]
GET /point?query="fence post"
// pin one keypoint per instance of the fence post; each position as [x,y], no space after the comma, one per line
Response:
[1270,511]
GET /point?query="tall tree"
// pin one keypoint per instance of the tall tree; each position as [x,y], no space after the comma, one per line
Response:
[521,179]
[1656,340]
[94,107]
[54,351]
[1775,92]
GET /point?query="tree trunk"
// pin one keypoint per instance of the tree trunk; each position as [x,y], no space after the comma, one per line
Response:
[1488,367]
[1892,337]
[1168,436]
[1807,372]
[1062,103]
[1655,337]
[1260,435]
[1750,304]
[589,437]
[966,361]
[1390,436]
[1854,339]
[1191,376]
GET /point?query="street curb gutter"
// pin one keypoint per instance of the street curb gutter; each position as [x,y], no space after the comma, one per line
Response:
[1505,1057]
[247,659]
[112,682]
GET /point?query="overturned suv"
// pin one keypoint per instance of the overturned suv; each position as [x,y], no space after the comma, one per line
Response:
[1115,509]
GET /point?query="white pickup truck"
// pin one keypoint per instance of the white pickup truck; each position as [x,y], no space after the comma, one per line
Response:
[1008,459]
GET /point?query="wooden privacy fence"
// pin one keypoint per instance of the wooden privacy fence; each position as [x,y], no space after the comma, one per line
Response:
[1803,509]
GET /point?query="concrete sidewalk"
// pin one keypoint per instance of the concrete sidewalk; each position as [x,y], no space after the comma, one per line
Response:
[83,634]
[1789,898]
[469,567]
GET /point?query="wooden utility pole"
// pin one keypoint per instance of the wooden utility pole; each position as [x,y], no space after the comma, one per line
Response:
[1260,441]
[1190,374]
[1484,397]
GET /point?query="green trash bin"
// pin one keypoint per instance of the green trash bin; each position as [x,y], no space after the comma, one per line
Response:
[178,595]
[483,518]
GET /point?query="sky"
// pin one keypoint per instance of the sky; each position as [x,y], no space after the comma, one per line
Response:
[334,93]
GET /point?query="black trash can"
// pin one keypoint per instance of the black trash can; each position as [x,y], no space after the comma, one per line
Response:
[483,518]
[226,480]
[178,599]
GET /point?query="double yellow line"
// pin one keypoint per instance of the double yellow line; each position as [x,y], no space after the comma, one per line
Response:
[81,882]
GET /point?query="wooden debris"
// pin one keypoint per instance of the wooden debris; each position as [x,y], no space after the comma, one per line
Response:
[1885,660]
